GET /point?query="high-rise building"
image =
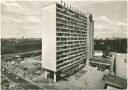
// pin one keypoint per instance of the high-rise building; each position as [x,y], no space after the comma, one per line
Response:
[67,39]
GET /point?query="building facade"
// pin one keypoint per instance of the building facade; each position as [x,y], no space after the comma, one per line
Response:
[67,39]
[121,65]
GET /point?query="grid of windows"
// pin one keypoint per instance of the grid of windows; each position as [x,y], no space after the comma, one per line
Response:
[71,38]
[91,39]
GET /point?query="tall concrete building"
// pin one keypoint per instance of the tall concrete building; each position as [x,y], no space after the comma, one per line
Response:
[67,39]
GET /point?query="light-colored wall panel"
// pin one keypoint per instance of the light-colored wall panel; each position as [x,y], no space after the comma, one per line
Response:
[121,65]
[48,26]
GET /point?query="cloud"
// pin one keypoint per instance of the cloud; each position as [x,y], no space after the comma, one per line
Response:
[103,19]
[32,19]
[32,28]
[19,20]
[13,8]
[12,20]
[16,5]
[105,27]
[24,16]
[11,5]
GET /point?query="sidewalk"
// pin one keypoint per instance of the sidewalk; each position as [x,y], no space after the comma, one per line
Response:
[92,79]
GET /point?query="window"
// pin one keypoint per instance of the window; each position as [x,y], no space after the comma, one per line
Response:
[125,60]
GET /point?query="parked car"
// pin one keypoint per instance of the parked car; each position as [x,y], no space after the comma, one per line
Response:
[17,77]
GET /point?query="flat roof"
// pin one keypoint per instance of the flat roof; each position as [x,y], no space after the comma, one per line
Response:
[100,59]
[116,81]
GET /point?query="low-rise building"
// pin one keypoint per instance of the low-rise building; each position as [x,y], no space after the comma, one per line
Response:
[114,82]
[118,72]
[100,62]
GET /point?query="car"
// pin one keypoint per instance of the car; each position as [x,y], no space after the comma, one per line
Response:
[105,76]
[17,77]
[98,68]
[3,69]
[103,69]
[9,72]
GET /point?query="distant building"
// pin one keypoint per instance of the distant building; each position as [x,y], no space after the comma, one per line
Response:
[98,61]
[114,82]
[67,39]
[118,79]
[121,65]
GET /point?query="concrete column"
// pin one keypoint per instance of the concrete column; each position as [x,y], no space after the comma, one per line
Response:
[54,77]
[87,62]
[45,74]
[112,63]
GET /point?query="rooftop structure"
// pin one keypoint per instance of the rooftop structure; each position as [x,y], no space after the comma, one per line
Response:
[100,61]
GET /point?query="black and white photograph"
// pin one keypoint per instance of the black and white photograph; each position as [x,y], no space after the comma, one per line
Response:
[63,44]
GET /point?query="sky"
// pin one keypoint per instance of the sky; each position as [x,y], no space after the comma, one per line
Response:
[22,18]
